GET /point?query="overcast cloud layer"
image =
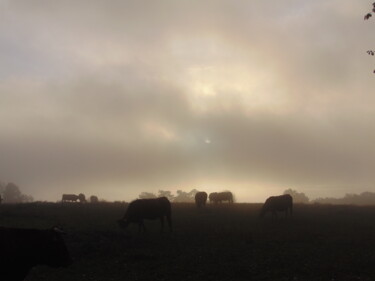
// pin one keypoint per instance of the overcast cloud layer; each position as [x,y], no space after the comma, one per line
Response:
[117,97]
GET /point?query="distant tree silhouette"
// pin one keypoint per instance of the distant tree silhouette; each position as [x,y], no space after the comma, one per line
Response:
[366,17]
[365,198]
[298,197]
[12,194]
[166,193]
[146,195]
[183,196]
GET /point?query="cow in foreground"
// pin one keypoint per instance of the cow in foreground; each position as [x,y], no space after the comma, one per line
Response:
[150,209]
[282,203]
[219,197]
[200,198]
[22,249]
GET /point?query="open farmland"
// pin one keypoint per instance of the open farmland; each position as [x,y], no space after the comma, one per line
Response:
[224,242]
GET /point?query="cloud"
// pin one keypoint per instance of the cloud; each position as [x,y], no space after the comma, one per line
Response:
[135,95]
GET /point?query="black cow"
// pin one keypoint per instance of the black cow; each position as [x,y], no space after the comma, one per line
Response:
[94,199]
[74,198]
[22,249]
[219,197]
[278,203]
[151,209]
[69,197]
[200,198]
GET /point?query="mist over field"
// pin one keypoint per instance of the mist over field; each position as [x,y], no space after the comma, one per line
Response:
[119,97]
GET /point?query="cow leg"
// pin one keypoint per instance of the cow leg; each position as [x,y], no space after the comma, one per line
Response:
[162,223]
[274,214]
[141,226]
[169,220]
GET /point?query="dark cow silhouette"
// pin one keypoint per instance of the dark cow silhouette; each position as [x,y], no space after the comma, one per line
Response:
[81,197]
[22,249]
[278,203]
[200,198]
[73,198]
[151,209]
[219,197]
[94,199]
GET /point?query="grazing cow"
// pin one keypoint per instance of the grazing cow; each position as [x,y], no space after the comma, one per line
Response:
[82,198]
[278,203]
[22,249]
[73,198]
[151,209]
[69,198]
[94,199]
[219,197]
[200,198]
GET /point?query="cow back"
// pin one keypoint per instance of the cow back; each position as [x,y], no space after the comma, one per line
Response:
[69,197]
[25,248]
[148,209]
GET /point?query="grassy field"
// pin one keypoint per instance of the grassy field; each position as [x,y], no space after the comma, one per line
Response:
[224,242]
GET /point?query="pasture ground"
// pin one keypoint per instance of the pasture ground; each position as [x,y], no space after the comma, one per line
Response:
[223,242]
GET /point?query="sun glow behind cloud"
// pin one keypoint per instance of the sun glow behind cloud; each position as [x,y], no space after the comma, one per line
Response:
[217,74]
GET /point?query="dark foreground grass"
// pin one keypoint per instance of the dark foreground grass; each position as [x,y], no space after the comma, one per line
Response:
[224,242]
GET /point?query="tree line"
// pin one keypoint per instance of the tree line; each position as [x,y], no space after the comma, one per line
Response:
[180,196]
[364,198]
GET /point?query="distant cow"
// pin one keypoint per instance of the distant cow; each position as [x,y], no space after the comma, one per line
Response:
[22,249]
[219,197]
[282,203]
[200,198]
[151,209]
[94,199]
[73,198]
[69,198]
[81,197]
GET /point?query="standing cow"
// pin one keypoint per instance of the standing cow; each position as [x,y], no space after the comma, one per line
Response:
[74,198]
[282,203]
[150,209]
[94,199]
[69,198]
[200,199]
[22,249]
[219,197]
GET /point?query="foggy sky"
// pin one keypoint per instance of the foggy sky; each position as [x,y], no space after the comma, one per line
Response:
[117,97]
